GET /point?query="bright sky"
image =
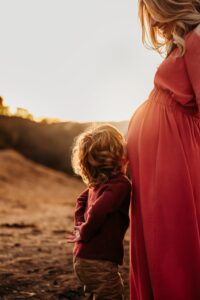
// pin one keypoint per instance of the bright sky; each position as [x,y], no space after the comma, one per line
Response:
[74,60]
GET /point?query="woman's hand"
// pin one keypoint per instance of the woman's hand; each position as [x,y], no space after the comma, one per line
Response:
[75,236]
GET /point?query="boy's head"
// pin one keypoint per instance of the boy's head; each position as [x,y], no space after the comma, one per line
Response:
[98,154]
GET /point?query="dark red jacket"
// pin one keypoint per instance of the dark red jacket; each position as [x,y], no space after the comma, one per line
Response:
[103,216]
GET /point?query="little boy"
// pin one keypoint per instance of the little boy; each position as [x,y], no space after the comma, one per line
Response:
[102,211]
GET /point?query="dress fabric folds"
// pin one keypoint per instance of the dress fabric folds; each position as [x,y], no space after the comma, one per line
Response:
[163,144]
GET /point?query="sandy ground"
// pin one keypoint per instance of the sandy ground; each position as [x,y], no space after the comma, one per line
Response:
[36,215]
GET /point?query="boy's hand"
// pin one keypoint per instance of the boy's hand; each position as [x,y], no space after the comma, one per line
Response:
[75,237]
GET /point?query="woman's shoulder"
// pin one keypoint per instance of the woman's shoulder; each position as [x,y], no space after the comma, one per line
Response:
[192,42]
[193,35]
[197,30]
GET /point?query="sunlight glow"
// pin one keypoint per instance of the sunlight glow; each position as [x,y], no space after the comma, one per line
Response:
[60,60]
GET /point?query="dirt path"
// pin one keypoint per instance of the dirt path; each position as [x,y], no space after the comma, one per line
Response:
[36,214]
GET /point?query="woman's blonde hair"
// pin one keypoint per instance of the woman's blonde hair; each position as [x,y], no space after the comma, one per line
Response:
[98,154]
[180,16]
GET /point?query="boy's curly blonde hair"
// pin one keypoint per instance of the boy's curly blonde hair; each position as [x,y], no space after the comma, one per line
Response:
[98,154]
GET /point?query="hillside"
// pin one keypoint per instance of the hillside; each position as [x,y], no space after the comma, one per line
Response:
[47,144]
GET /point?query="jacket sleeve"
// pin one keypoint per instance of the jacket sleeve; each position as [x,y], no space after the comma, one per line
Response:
[81,203]
[109,201]
[192,61]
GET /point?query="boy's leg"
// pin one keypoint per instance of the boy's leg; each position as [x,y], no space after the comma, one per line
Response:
[110,284]
[100,278]
[78,270]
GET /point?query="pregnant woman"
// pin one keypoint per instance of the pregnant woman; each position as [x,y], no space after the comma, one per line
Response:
[164,151]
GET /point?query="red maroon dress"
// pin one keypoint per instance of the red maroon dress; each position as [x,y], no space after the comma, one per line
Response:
[164,151]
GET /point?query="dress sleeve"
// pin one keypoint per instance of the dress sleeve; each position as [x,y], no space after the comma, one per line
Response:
[109,201]
[81,203]
[192,61]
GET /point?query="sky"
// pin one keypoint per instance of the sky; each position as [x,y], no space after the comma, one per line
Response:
[73,59]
